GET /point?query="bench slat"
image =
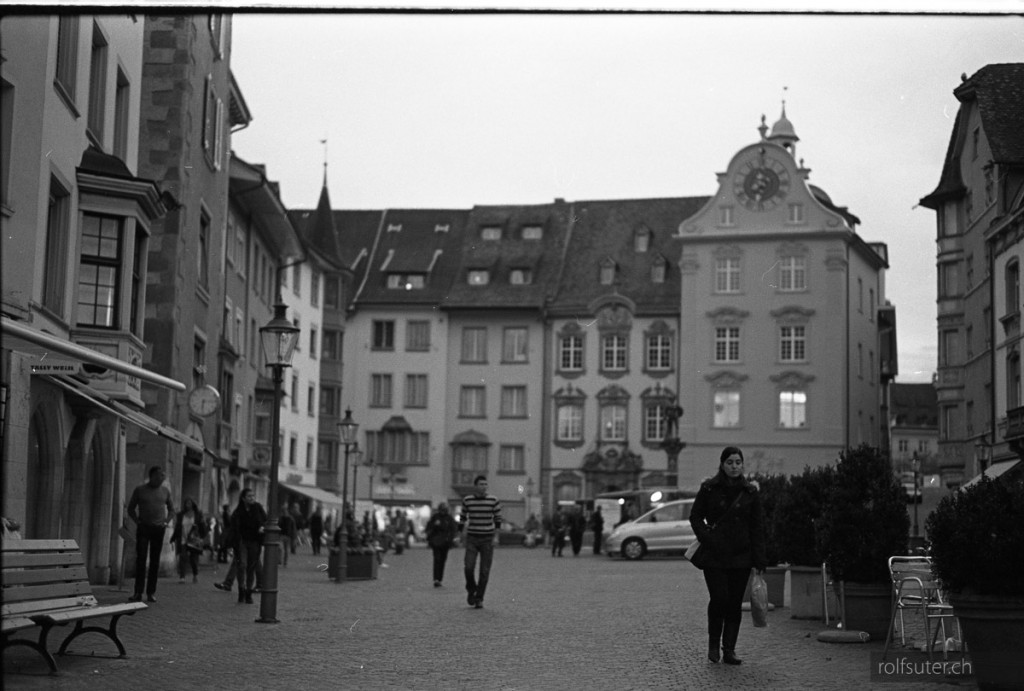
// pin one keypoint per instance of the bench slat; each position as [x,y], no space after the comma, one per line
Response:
[33,577]
[36,606]
[11,624]
[25,560]
[8,545]
[89,613]
[46,591]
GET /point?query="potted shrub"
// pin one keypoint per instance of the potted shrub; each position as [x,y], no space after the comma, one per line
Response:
[793,523]
[864,522]
[977,550]
[771,488]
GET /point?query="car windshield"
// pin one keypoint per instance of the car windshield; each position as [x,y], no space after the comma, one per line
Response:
[669,512]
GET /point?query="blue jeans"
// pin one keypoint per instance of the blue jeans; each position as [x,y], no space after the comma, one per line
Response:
[483,546]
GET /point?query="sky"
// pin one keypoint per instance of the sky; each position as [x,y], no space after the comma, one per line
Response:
[443,110]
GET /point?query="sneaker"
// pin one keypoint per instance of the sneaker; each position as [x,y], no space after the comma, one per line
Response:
[471,599]
[437,584]
[479,604]
[150,598]
[222,586]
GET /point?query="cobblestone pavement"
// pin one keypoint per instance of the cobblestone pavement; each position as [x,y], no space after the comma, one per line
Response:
[548,623]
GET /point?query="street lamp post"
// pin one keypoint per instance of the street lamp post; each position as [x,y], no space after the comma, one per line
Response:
[347,430]
[372,465]
[278,339]
[915,464]
[357,458]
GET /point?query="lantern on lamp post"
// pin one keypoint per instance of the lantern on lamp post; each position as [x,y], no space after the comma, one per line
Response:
[347,430]
[278,339]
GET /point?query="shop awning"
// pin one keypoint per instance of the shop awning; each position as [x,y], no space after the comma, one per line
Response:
[321,495]
[993,471]
[122,411]
[25,339]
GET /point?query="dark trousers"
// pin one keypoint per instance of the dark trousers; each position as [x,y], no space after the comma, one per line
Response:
[726,587]
[482,546]
[249,560]
[440,557]
[315,539]
[576,538]
[149,541]
[186,558]
[597,542]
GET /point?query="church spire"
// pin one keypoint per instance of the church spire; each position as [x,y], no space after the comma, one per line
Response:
[321,231]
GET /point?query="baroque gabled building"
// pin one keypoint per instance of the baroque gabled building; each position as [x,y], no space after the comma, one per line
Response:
[978,203]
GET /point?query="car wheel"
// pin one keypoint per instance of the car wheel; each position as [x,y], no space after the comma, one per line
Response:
[634,548]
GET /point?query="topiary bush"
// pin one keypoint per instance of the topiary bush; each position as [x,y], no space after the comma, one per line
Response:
[796,513]
[771,488]
[864,520]
[977,539]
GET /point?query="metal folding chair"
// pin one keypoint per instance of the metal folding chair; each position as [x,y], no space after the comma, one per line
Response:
[915,587]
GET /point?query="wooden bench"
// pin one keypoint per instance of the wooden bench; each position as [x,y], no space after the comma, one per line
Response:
[46,584]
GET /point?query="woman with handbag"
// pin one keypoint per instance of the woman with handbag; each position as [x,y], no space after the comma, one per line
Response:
[727,520]
[187,538]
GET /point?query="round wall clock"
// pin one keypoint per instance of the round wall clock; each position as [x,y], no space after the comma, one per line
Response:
[761,183]
[204,401]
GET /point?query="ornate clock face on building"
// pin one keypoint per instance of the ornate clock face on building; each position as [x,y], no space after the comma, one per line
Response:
[204,401]
[761,183]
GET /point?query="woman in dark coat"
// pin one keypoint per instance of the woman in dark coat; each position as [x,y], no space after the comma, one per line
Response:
[727,519]
[440,531]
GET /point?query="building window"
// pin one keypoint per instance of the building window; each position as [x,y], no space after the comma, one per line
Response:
[213,117]
[1013,389]
[298,331]
[613,423]
[314,338]
[331,345]
[570,423]
[203,251]
[261,420]
[727,344]
[56,247]
[97,86]
[727,275]
[792,274]
[658,270]
[314,289]
[198,362]
[513,401]
[654,423]
[533,232]
[406,281]
[570,353]
[99,279]
[613,353]
[295,393]
[332,292]
[607,272]
[725,217]
[297,280]
[330,401]
[520,277]
[311,400]
[949,280]
[67,57]
[309,454]
[514,345]
[472,401]
[415,391]
[792,343]
[138,267]
[474,345]
[726,409]
[792,409]
[1012,287]
[293,451]
[491,233]
[217,31]
[641,240]
[511,459]
[796,213]
[948,355]
[479,277]
[383,334]
[860,294]
[380,390]
[398,447]
[417,335]
[659,352]
[468,461]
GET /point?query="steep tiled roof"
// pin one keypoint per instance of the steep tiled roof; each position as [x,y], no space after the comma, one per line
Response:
[538,258]
[321,232]
[605,230]
[999,91]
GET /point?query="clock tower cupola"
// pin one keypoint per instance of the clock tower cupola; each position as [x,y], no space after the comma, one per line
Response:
[783,133]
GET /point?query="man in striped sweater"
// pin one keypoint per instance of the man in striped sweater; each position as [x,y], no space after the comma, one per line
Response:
[481,516]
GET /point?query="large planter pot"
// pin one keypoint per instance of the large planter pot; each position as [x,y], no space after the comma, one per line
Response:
[361,566]
[805,594]
[868,608]
[993,628]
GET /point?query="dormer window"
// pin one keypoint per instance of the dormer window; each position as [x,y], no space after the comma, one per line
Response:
[520,277]
[394,227]
[532,233]
[658,270]
[607,272]
[641,240]
[796,213]
[441,228]
[406,281]
[479,277]
[490,233]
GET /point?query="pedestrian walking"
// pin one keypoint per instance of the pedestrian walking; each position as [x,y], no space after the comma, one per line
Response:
[223,532]
[316,530]
[577,526]
[558,529]
[188,537]
[289,533]
[248,520]
[151,508]
[440,536]
[481,516]
[727,519]
[597,526]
